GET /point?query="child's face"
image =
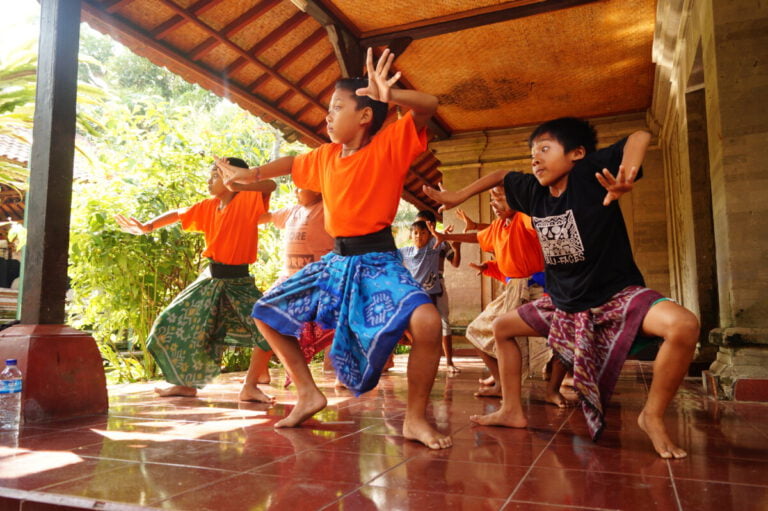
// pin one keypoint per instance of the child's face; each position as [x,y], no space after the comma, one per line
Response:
[344,121]
[499,204]
[306,197]
[216,183]
[550,163]
[419,236]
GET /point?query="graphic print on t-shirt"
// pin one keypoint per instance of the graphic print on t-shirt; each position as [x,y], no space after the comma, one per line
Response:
[560,239]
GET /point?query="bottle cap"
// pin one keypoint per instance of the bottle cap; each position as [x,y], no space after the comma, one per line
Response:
[10,362]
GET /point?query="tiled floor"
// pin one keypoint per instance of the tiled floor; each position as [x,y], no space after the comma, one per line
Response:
[213,452]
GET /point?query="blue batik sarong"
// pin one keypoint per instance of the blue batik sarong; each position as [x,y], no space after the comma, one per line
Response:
[368,299]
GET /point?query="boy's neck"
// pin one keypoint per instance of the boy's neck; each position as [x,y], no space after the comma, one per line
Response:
[226,198]
[360,140]
[558,188]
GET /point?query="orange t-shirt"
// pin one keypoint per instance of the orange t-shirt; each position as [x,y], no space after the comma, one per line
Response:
[515,245]
[232,233]
[361,192]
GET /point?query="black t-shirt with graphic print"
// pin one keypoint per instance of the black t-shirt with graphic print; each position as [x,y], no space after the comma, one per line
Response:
[586,248]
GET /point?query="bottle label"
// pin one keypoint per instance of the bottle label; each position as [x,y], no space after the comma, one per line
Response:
[10,386]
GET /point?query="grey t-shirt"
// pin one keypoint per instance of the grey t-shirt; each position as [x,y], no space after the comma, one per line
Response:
[424,264]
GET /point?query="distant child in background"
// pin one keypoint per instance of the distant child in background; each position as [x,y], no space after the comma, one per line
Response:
[189,337]
[305,241]
[598,302]
[513,241]
[453,254]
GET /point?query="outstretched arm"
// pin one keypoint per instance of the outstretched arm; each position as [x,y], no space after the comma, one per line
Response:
[455,258]
[450,199]
[634,154]
[469,224]
[275,168]
[380,88]
[447,235]
[264,186]
[133,226]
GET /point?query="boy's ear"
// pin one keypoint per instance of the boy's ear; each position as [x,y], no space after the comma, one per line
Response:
[578,153]
[366,116]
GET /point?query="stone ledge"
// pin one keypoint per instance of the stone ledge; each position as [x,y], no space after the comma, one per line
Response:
[734,337]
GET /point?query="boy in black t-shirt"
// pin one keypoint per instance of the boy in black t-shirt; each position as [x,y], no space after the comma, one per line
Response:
[597,301]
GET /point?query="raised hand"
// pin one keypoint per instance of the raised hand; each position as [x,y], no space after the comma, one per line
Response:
[469,224]
[618,186]
[479,267]
[447,198]
[231,174]
[378,85]
[439,236]
[131,225]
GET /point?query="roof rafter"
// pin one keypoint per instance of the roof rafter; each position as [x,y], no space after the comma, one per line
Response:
[211,79]
[486,16]
[177,21]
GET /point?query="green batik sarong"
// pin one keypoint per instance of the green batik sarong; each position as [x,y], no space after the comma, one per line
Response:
[189,337]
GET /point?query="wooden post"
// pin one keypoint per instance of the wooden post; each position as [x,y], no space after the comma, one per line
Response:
[62,367]
[50,184]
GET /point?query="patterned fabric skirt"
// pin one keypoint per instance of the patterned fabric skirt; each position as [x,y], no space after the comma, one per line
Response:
[480,330]
[367,299]
[191,334]
[594,343]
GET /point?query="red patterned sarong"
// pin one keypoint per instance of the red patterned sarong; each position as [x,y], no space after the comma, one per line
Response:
[594,343]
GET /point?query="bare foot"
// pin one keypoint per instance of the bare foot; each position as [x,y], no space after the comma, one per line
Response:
[338,384]
[264,379]
[422,431]
[657,432]
[176,390]
[501,418]
[487,382]
[558,400]
[305,408]
[254,393]
[453,370]
[567,382]
[494,391]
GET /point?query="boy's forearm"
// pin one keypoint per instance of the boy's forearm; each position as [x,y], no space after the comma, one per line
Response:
[635,149]
[467,237]
[483,184]
[264,186]
[422,104]
[275,168]
[167,218]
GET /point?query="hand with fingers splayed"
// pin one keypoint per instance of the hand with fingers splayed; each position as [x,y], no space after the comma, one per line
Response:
[617,186]
[378,85]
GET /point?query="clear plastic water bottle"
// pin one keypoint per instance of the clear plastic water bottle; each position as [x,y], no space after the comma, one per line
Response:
[10,396]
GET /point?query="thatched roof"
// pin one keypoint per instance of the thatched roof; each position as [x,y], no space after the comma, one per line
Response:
[492,63]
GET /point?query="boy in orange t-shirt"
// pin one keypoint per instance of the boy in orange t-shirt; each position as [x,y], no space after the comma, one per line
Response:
[362,289]
[515,245]
[189,337]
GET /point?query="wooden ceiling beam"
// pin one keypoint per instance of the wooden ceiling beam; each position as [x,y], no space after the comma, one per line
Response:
[116,5]
[122,30]
[435,27]
[222,39]
[234,27]
[413,199]
[305,80]
[162,30]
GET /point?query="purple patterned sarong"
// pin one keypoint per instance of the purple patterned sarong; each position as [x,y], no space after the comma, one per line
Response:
[594,343]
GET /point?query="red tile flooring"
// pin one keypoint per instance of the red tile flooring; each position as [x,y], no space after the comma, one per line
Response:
[214,453]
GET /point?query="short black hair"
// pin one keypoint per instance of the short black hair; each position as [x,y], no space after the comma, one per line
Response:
[428,215]
[419,224]
[378,108]
[237,162]
[570,132]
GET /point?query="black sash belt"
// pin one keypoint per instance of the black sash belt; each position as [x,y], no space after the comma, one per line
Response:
[380,241]
[228,271]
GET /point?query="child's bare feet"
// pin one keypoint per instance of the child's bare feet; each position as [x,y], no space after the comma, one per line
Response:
[487,382]
[176,390]
[494,391]
[657,432]
[305,408]
[422,431]
[254,393]
[453,370]
[559,400]
[501,418]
